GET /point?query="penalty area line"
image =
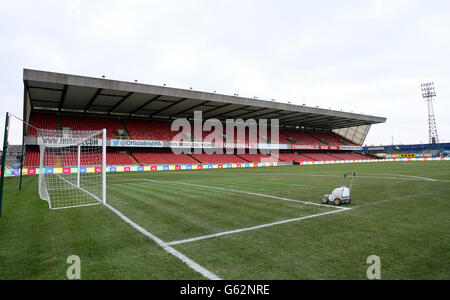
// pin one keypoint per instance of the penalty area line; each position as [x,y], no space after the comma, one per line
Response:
[253,228]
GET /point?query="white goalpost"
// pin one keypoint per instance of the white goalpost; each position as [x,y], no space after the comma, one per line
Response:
[72,167]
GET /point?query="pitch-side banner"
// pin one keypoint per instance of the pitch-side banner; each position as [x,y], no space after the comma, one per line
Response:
[51,170]
[62,142]
[325,147]
[137,143]
[191,145]
[181,144]
[350,148]
[205,145]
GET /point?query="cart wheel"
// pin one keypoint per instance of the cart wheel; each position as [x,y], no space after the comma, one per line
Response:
[325,199]
[337,201]
[349,201]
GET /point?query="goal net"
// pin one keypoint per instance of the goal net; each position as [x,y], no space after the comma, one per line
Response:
[72,167]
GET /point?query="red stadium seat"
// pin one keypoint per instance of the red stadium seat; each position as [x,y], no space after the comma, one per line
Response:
[300,137]
[258,158]
[43,121]
[32,158]
[90,123]
[150,130]
[288,157]
[319,157]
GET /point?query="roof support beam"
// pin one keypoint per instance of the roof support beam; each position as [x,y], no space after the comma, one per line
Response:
[45,88]
[293,118]
[145,104]
[27,90]
[249,113]
[349,124]
[228,112]
[333,124]
[55,103]
[216,108]
[111,95]
[270,113]
[167,107]
[290,114]
[97,93]
[306,120]
[120,102]
[305,123]
[192,107]
[63,96]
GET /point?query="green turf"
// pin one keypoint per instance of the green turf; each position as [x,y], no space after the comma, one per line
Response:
[398,214]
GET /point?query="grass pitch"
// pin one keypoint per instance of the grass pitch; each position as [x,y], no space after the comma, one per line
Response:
[239,224]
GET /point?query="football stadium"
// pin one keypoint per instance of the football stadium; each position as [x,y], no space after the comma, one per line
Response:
[100,173]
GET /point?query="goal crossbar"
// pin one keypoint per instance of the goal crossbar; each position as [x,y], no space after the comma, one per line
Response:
[65,156]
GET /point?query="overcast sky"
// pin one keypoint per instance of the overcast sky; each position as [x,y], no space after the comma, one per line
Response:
[355,55]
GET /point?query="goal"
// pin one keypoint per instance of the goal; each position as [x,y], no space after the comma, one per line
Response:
[72,167]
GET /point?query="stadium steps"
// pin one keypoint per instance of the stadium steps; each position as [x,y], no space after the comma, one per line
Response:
[288,138]
[342,142]
[306,155]
[292,140]
[316,138]
[194,158]
[336,157]
[126,131]
[325,142]
[134,159]
[242,158]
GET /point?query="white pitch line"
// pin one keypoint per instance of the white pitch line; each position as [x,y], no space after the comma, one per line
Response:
[397,176]
[192,264]
[253,228]
[407,176]
[337,209]
[244,192]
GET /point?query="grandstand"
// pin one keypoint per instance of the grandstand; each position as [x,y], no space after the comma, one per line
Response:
[415,150]
[138,112]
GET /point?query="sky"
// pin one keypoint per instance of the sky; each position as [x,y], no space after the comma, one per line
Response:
[362,56]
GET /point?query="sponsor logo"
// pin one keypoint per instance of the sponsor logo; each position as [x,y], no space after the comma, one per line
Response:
[68,141]
[136,143]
